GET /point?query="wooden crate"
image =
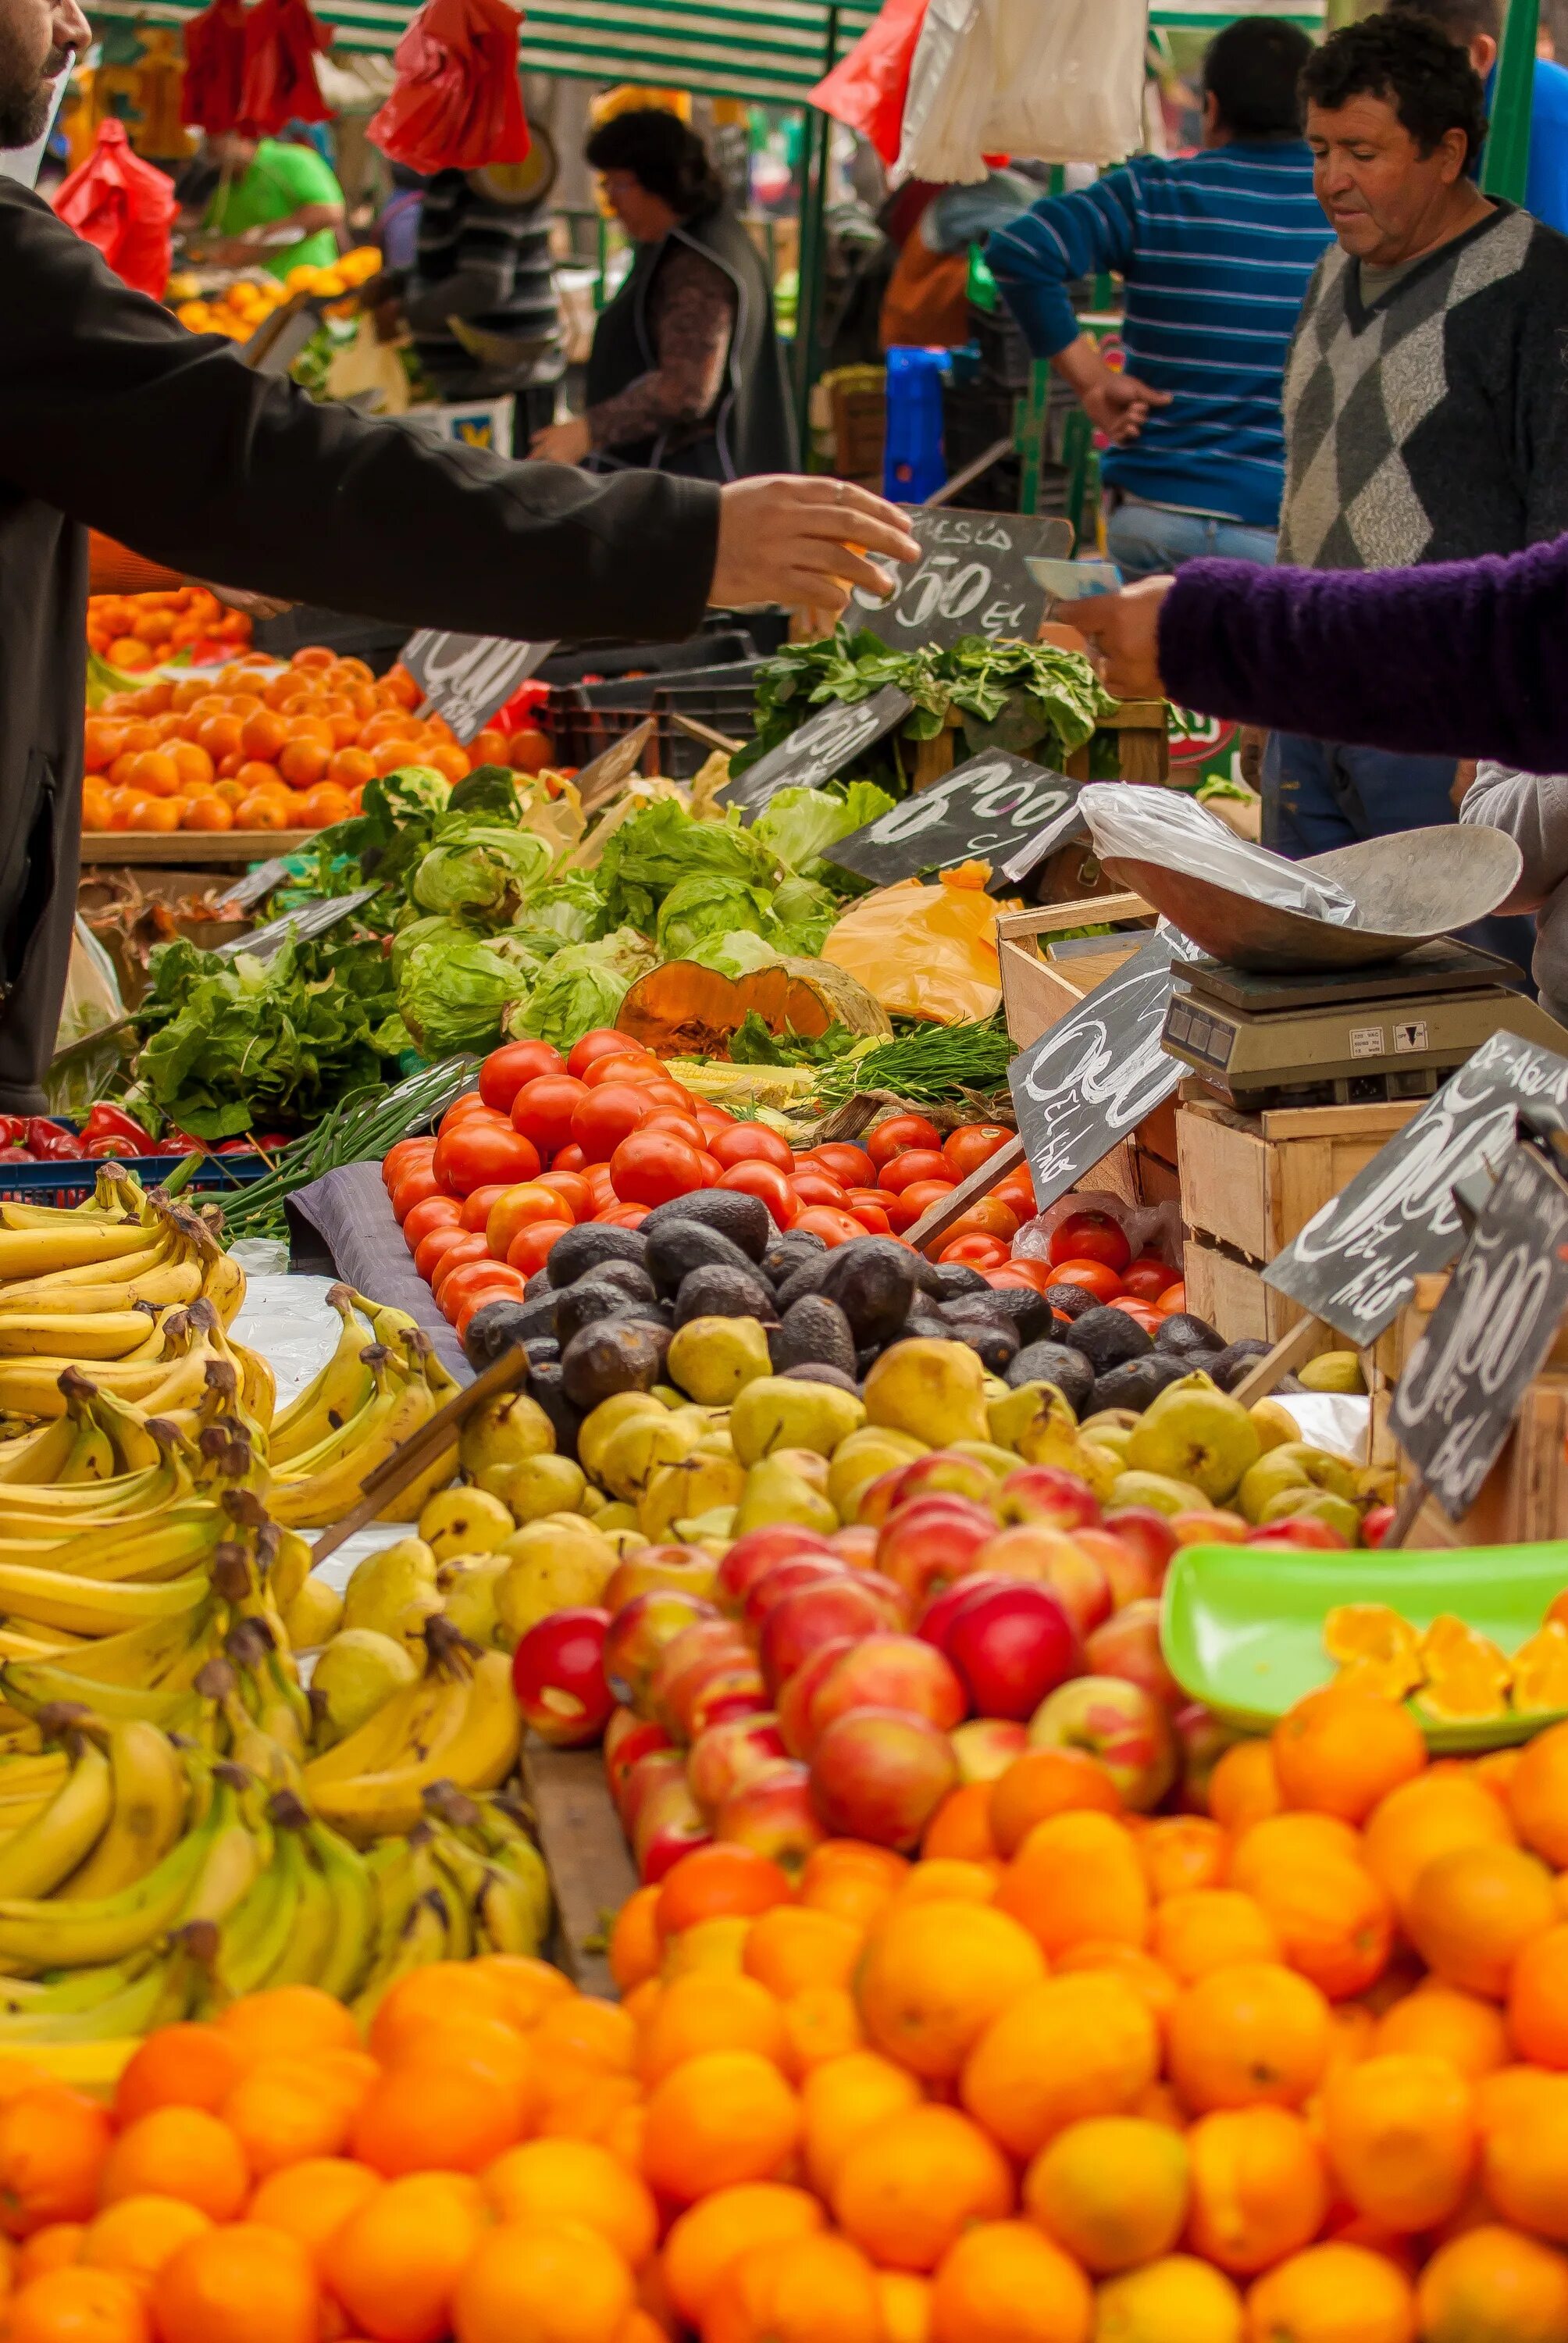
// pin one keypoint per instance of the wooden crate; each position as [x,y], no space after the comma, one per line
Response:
[1525,1497]
[1254,1180]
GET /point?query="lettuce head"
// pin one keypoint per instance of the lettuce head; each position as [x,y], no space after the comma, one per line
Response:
[702,906]
[453,995]
[582,986]
[480,870]
[739,954]
[800,825]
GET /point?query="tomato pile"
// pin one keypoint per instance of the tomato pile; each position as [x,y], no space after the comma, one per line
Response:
[607,1134]
[1090,1250]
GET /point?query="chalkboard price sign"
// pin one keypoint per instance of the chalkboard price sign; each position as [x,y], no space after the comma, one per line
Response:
[970,579]
[1095,1074]
[1462,1384]
[1355,1263]
[821,748]
[995,807]
[467,678]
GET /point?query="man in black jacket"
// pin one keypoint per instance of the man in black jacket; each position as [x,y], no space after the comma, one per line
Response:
[113,415]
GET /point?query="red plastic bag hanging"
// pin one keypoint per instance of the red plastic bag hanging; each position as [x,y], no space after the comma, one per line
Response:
[458,103]
[866,89]
[282,41]
[122,205]
[215,67]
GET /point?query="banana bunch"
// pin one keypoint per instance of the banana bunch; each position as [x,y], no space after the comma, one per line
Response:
[467,1880]
[457,1724]
[168,1373]
[381,1384]
[93,1283]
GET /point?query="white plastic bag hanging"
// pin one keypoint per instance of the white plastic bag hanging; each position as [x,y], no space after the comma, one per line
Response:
[1165,826]
[1058,81]
[949,93]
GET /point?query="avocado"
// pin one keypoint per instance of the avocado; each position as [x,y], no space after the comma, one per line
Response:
[1237,1359]
[1107,1338]
[992,1338]
[872,1281]
[745,1221]
[814,1371]
[801,1281]
[923,1325]
[678,1247]
[813,1332]
[497,1328]
[589,1247]
[1053,1363]
[1031,1312]
[538,1283]
[791,1251]
[718,1292]
[1138,1383]
[588,1300]
[541,1350]
[545,1385]
[1070,1300]
[1186,1337]
[956,1277]
[617,1354]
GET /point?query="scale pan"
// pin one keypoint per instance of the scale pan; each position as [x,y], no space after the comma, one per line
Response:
[1408,890]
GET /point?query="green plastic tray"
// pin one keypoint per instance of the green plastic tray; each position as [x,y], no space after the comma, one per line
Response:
[1243,1626]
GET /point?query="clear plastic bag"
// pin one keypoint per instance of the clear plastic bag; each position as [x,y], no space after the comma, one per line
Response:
[1165,826]
[92,1002]
[1060,81]
[924,951]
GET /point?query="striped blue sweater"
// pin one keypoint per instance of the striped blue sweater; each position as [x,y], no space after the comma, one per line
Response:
[1215,252]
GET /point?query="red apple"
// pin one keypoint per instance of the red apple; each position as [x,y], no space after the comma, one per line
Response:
[1210,1527]
[1127,1571]
[986,1746]
[817,1615]
[899,1608]
[712,1689]
[1150,1532]
[668,1827]
[926,1545]
[1049,1494]
[774,1815]
[1033,1550]
[638,1634]
[557,1675]
[1300,1532]
[781,1578]
[942,1609]
[683,1566]
[1011,1645]
[881,1774]
[1376,1522]
[878,1498]
[1202,1740]
[892,1672]
[705,1642]
[745,1562]
[1119,1722]
[798,1691]
[628,1737]
[726,1755]
[857,1545]
[646,1780]
[1127,1644]
[947,1472]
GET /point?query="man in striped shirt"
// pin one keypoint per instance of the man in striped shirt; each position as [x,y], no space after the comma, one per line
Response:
[1215,252]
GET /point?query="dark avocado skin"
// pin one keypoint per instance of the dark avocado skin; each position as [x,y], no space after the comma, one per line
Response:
[1054,1362]
[1227,1367]
[589,1247]
[956,1277]
[872,1281]
[811,1371]
[745,1221]
[545,1384]
[814,1333]
[720,1291]
[1029,1311]
[1070,1300]
[1187,1337]
[791,1251]
[1107,1338]
[499,1327]
[678,1247]
[992,1338]
[804,1277]
[588,1300]
[1138,1383]
[615,1354]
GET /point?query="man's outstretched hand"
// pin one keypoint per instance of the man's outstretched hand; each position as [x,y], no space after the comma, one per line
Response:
[804,542]
[1123,631]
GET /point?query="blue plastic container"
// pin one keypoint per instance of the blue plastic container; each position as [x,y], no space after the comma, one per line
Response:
[913,465]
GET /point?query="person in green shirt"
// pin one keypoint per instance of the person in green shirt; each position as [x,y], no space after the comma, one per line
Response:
[268,185]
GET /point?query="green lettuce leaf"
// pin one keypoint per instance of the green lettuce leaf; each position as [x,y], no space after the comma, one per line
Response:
[581,987]
[650,854]
[454,996]
[739,954]
[800,825]
[802,914]
[700,906]
[480,869]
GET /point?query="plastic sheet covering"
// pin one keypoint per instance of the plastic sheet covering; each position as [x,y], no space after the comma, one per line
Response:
[924,951]
[1162,826]
[458,103]
[124,208]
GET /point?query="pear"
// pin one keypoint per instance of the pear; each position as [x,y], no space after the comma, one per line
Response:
[1110,1419]
[1275,1422]
[1332,1371]
[1036,1422]
[934,1389]
[315,1616]
[709,1476]
[357,1674]
[614,1516]
[1100,1467]
[542,1484]
[394,1591]
[465,1521]
[1318,1506]
[863,1456]
[777,1411]
[998,1462]
[467,1589]
[499,1436]
[776,1491]
[626,1538]
[1156,1490]
[713,1532]
[547,1571]
[564,1534]
[1195,1431]
[642,1444]
[291,1566]
[1112,1437]
[606,1419]
[593,1501]
[668,1397]
[714,1358]
[1293,1465]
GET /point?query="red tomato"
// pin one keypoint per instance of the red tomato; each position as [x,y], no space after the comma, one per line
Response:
[490,1278]
[1035,1274]
[834,1228]
[1146,1278]
[604,1041]
[903,1211]
[622,1216]
[652,1167]
[713,1118]
[469,1103]
[1017,1195]
[1092,1275]
[464,1316]
[1091,1236]
[818,1188]
[751,1142]
[900,1131]
[472,1248]
[987,1218]
[756,1177]
[979,1252]
[530,1247]
[1142,1313]
[405,1156]
[679,1124]
[436,1246]
[626,1065]
[476,1207]
[572,1189]
[567,1159]
[873,1218]
[519,1208]
[1170,1302]
[608,1116]
[505,1069]
[413,1189]
[915,1163]
[600,1186]
[664,1092]
[484,1151]
[434,1212]
[712,1170]
[851,1165]
[972,1144]
[543,1111]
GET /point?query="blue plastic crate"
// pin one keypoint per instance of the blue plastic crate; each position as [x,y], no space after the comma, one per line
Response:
[65,1185]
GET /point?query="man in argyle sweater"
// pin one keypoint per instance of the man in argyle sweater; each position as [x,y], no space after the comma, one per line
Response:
[1426,393]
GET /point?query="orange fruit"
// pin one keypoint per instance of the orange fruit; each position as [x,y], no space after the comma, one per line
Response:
[528,1987]
[186,2066]
[97,806]
[552,2285]
[598,2033]
[1440,1811]
[814,2289]
[1333,2294]
[263,809]
[1334,1921]
[792,1949]
[1112,2191]
[1243,1787]
[263,734]
[960,1827]
[1524,2158]
[311,2200]
[1471,1911]
[426,2116]
[1073,2046]
[243,2283]
[302,761]
[1400,2138]
[1538,2000]
[1438,2021]
[720,1881]
[548,2183]
[1042,1782]
[947,1879]
[820,2022]
[1253,2034]
[194,766]
[178,2152]
[634,1942]
[1202,1929]
[1492,2286]
[1538,1795]
[430,1997]
[842,2099]
[721,2118]
[1182,1852]
[708,1946]
[290,2021]
[904,2301]
[206,811]
[392,755]
[909,2187]
[1002,2282]
[52,2144]
[158,814]
[220,736]
[393,2263]
[1148,1978]
[707,2240]
[1339,1750]
[138,2235]
[351,769]
[710,2013]
[283,2110]
[1177,2299]
[1075,1876]
[1258,2190]
[851,1878]
[79,2306]
[325,804]
[1283,1841]
[155,773]
[935,1975]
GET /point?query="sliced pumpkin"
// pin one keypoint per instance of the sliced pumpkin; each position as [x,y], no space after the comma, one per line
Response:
[1378,1652]
[1467,1676]
[683,1010]
[1541,1670]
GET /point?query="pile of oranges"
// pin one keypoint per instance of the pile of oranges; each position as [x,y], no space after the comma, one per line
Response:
[136,631]
[256,746]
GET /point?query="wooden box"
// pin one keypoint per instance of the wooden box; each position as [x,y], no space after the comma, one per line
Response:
[1524,1498]
[1254,1180]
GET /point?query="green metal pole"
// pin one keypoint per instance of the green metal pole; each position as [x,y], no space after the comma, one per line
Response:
[1505,165]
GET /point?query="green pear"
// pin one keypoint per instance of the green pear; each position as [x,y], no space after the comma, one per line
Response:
[1293,1465]
[468,1593]
[863,1456]
[357,1674]
[499,1436]
[780,1412]
[714,1530]
[1036,1422]
[1318,1506]
[934,1389]
[712,1359]
[1274,1422]
[1112,1419]
[550,1566]
[394,1591]
[775,1491]
[639,1447]
[603,1421]
[315,1616]
[708,1477]
[465,1521]
[1195,1431]
[1113,1437]
[1157,1490]
[542,1484]
[1332,1371]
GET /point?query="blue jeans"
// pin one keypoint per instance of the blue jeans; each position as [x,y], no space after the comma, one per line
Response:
[1146,541]
[1317,795]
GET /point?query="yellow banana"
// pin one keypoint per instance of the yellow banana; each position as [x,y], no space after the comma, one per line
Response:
[254,1937]
[316,1918]
[333,1440]
[164,1284]
[333,1395]
[37,1458]
[31,1686]
[258,1395]
[223,1285]
[53,1934]
[32,1386]
[160,1996]
[151,1793]
[352,1890]
[72,1244]
[418,1938]
[91,1606]
[35,1860]
[403,1723]
[86,1334]
[234,1860]
[473,1742]
[395,1414]
[156,1248]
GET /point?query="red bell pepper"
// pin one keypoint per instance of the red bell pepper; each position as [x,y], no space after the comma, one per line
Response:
[51,1143]
[106,1121]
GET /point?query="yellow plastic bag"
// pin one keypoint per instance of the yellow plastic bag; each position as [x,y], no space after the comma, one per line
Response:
[925,951]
